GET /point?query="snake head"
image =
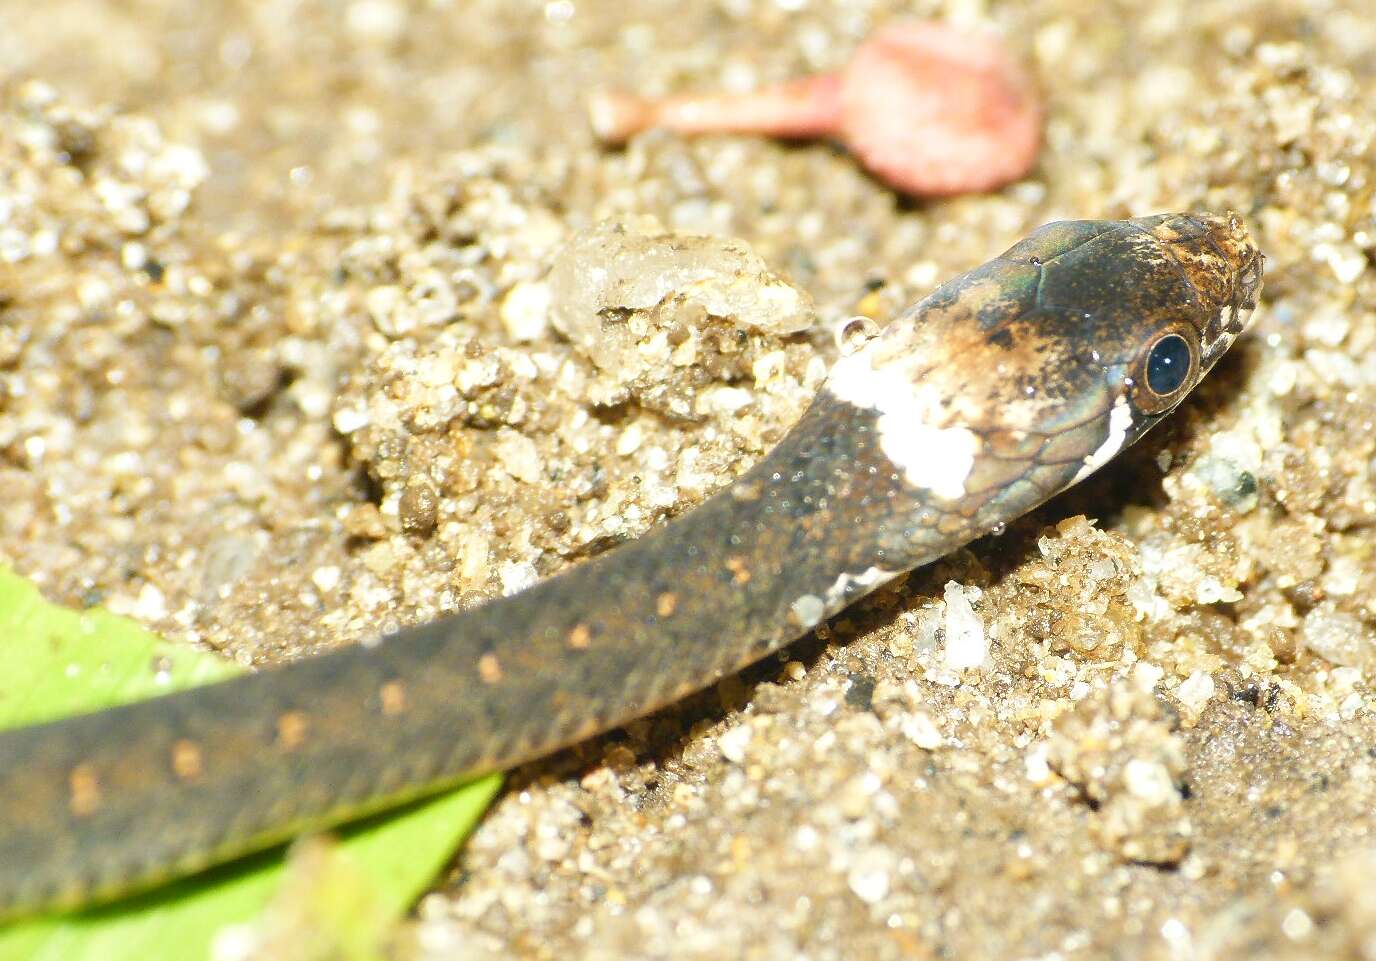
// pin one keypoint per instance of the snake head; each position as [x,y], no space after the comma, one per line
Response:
[1027,374]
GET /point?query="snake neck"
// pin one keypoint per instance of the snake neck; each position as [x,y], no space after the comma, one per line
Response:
[823,519]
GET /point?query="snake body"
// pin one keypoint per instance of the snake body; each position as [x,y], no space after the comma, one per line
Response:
[1003,387]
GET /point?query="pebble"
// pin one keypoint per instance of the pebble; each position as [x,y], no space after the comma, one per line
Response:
[922,731]
[326,577]
[517,576]
[525,311]
[614,266]
[967,645]
[870,884]
[1195,691]
[418,507]
[1338,636]
[733,743]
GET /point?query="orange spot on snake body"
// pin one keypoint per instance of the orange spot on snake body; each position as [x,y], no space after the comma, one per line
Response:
[665,603]
[950,523]
[740,572]
[85,790]
[489,668]
[393,698]
[187,762]
[291,729]
[580,637]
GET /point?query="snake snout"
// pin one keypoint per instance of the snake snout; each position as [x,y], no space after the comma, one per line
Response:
[1249,283]
[1248,263]
[1242,259]
[1227,270]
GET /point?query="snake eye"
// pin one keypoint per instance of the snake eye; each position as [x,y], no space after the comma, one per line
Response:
[1168,364]
[1166,369]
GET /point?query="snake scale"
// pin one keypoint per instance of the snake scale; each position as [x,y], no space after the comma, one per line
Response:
[1001,388]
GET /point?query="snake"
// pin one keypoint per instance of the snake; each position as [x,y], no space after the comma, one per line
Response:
[1001,388]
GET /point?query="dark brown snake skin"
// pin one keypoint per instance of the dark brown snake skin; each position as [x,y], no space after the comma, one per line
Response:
[1003,387]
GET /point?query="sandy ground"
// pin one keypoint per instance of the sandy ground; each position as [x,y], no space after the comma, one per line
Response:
[289,355]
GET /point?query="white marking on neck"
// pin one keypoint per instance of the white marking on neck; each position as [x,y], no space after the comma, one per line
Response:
[1119,420]
[936,459]
[809,610]
[839,595]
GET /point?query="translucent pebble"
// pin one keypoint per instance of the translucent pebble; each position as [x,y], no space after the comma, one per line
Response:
[733,743]
[516,576]
[1338,637]
[612,267]
[922,731]
[966,643]
[525,311]
[1195,691]
[869,882]
[1149,781]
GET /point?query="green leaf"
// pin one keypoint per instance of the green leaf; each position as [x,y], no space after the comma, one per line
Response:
[337,901]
